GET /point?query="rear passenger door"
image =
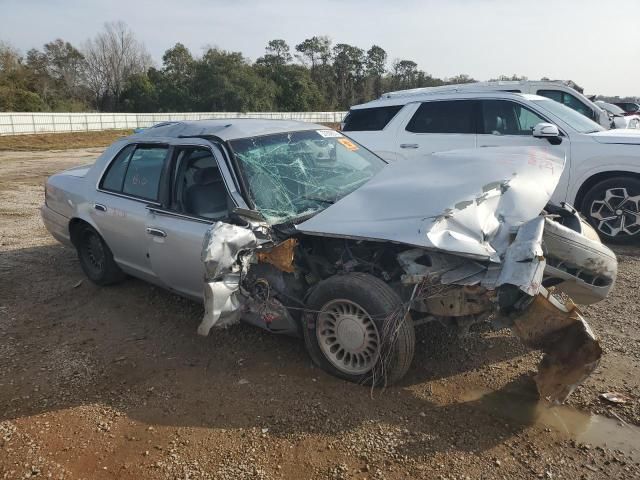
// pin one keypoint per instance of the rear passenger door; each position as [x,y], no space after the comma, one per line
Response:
[437,126]
[130,182]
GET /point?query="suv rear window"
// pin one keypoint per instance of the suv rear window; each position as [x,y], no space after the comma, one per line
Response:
[443,117]
[370,119]
[568,100]
[628,106]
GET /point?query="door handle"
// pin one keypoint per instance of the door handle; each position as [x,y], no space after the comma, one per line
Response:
[99,207]
[156,232]
[409,145]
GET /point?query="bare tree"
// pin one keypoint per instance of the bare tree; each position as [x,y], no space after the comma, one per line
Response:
[111,58]
[10,58]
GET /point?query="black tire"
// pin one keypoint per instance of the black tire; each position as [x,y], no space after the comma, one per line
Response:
[96,258]
[594,208]
[384,308]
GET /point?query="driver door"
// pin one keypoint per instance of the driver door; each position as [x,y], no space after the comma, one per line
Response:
[196,198]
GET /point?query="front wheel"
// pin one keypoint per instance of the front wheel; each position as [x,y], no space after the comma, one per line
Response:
[357,328]
[612,206]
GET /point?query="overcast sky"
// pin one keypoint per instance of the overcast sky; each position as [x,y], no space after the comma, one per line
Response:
[593,42]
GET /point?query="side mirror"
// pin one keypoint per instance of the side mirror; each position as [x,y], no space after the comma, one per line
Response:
[548,131]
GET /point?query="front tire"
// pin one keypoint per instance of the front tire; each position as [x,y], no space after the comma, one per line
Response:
[96,258]
[612,207]
[356,328]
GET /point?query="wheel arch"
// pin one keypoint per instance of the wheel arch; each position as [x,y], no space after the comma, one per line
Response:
[74,228]
[596,178]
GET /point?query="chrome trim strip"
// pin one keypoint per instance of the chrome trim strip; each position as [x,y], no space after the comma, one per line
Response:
[130,197]
[169,213]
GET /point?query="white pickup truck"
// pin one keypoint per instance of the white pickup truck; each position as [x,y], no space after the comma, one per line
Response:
[602,176]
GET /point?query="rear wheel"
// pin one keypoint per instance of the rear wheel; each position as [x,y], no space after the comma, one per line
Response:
[96,258]
[356,328]
[612,206]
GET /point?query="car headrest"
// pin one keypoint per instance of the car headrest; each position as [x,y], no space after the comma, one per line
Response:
[206,176]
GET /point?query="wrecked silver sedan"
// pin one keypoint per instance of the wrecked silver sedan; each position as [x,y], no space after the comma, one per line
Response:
[299,230]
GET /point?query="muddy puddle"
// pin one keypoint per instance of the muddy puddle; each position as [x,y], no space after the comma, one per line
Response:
[595,430]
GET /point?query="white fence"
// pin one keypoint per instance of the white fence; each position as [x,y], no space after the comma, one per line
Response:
[17,123]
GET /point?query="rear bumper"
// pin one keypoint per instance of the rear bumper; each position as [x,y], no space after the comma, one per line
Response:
[57,225]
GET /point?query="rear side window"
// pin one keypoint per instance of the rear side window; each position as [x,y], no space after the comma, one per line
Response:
[114,178]
[136,171]
[143,175]
[552,94]
[443,117]
[628,107]
[370,119]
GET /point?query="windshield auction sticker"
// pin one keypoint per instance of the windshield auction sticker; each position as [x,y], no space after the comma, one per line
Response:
[348,144]
[329,133]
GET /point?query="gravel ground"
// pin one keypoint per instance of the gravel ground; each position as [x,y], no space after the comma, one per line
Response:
[114,383]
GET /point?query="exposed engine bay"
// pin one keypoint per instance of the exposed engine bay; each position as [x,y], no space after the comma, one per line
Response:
[265,276]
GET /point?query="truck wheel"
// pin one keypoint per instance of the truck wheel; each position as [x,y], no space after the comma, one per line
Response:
[96,258]
[612,206]
[355,328]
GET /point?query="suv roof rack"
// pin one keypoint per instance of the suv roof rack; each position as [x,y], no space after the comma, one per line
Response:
[473,87]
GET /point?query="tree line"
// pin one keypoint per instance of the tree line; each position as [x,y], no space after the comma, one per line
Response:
[114,72]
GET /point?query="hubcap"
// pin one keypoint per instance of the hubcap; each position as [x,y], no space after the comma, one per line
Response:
[617,213]
[347,336]
[95,252]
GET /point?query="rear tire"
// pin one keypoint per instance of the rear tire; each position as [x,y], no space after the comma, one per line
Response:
[612,207]
[96,258]
[356,329]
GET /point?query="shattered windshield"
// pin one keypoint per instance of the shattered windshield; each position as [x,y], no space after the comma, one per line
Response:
[296,174]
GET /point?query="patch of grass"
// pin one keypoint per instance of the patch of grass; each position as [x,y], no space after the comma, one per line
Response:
[66,141]
[61,141]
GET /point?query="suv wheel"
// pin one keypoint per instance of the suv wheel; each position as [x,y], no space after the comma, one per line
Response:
[612,206]
[356,329]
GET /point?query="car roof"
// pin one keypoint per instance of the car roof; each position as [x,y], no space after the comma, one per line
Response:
[225,128]
[505,85]
[444,95]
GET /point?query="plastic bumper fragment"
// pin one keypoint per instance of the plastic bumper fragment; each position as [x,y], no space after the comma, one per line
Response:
[571,350]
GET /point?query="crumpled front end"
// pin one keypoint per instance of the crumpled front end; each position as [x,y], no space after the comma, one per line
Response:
[512,295]
[459,237]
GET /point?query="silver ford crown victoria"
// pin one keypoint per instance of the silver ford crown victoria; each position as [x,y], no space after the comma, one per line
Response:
[298,229]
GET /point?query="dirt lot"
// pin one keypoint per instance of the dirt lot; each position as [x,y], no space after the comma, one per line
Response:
[114,383]
[55,141]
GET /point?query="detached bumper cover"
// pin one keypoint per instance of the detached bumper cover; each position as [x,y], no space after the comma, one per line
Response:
[571,350]
[587,268]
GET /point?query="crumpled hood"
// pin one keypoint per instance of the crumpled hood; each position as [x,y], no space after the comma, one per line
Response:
[626,136]
[462,201]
